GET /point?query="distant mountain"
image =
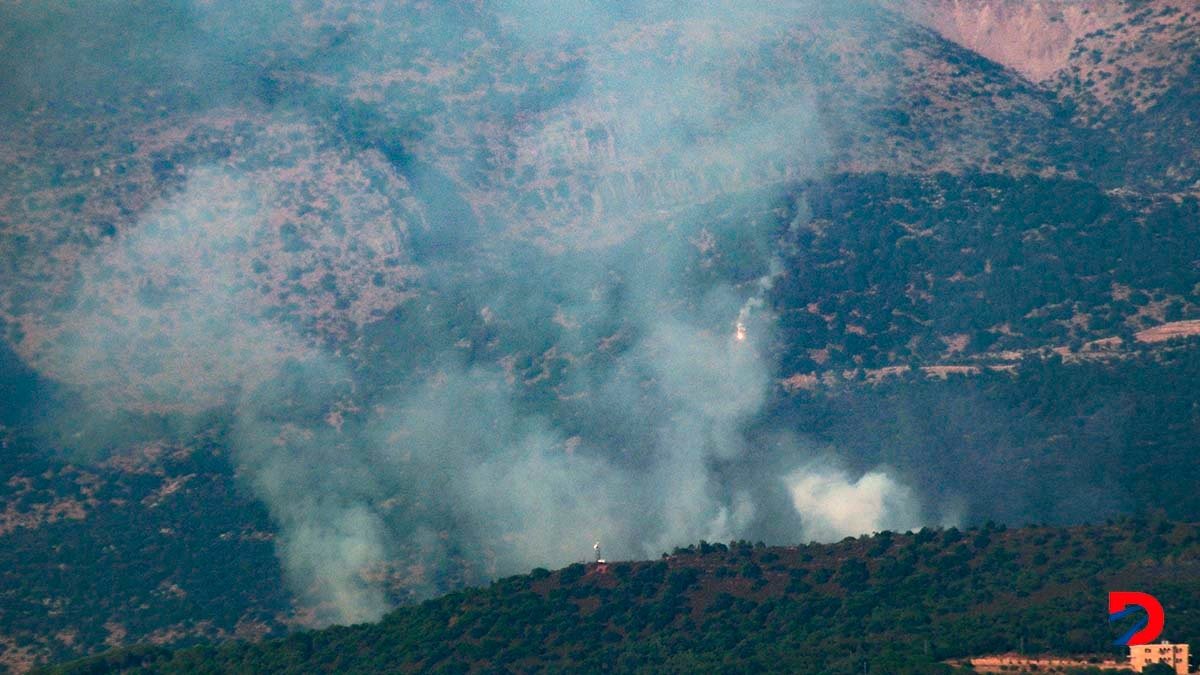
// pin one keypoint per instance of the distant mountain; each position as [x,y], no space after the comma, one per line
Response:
[894,603]
[1126,70]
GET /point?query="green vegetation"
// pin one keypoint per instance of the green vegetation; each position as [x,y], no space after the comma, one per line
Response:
[127,559]
[1052,441]
[945,252]
[893,269]
[894,603]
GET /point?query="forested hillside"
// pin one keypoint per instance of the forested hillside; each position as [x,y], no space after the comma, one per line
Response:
[295,297]
[888,603]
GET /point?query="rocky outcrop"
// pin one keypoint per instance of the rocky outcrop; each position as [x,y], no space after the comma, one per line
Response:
[1034,38]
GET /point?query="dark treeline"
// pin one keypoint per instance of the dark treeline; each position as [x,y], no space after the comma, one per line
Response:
[894,603]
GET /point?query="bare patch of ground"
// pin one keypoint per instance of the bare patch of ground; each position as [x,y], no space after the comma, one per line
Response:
[943,372]
[16,659]
[1168,331]
[1033,37]
[1006,663]
[800,381]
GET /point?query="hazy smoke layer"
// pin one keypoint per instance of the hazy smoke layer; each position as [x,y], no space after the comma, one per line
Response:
[467,289]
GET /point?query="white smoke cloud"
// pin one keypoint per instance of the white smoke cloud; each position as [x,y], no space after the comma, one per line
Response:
[159,321]
[180,314]
[182,309]
[833,506]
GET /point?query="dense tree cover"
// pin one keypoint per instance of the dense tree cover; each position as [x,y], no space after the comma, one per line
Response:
[894,603]
[881,269]
[94,557]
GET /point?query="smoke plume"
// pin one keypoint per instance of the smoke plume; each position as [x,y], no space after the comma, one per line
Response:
[471,286]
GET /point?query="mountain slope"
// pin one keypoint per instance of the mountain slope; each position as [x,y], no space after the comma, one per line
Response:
[1125,70]
[298,195]
[1034,38]
[976,213]
[896,603]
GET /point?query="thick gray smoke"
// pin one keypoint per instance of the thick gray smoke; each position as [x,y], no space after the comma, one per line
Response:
[457,325]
